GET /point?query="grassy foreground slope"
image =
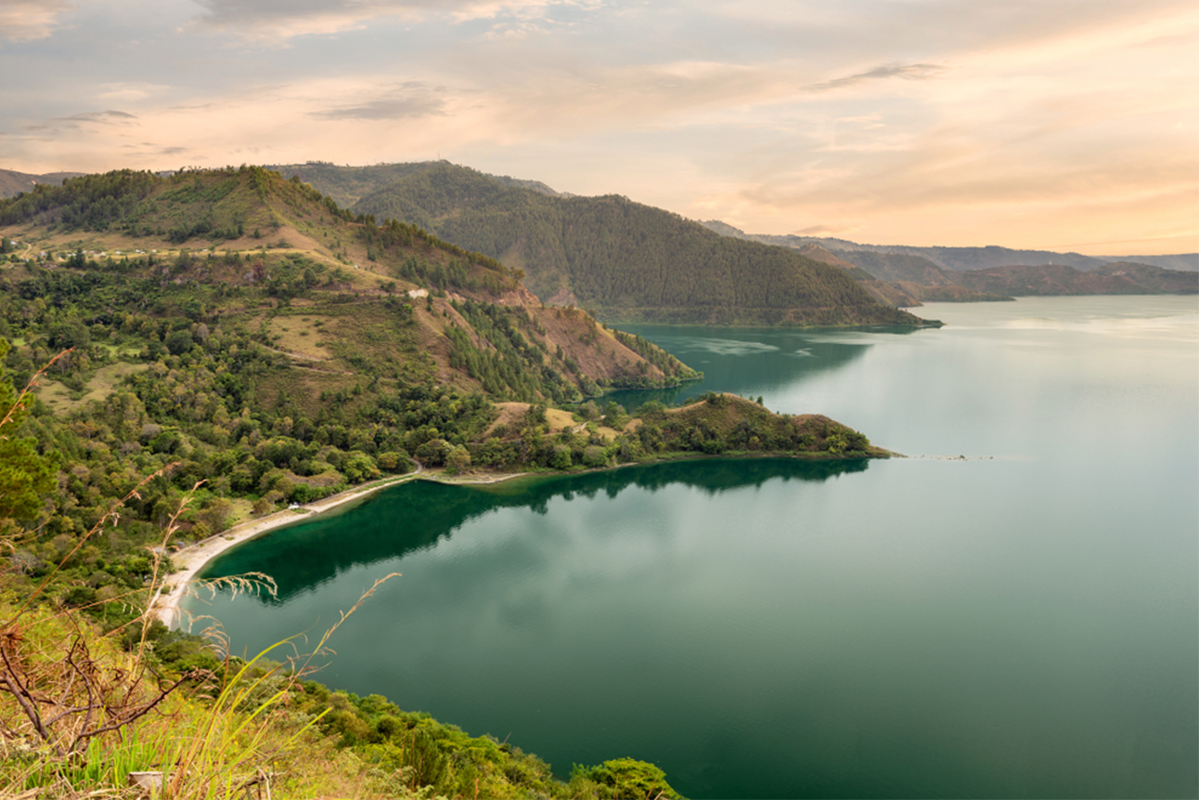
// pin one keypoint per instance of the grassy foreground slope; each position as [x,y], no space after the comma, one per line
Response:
[625,261]
[90,713]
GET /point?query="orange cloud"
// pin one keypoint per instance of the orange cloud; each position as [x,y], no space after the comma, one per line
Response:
[23,20]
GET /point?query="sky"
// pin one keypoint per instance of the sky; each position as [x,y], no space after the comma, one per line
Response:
[1055,124]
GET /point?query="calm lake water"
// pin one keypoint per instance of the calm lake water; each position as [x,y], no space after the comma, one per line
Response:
[1022,623]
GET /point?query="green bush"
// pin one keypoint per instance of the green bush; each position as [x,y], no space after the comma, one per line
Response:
[179,342]
[628,779]
[594,456]
[457,460]
[561,458]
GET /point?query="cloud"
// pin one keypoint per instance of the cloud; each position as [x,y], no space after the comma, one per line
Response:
[897,121]
[281,20]
[413,99]
[129,92]
[570,99]
[24,20]
[144,149]
[99,118]
[908,72]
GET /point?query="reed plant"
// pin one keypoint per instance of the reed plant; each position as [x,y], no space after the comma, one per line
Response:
[79,714]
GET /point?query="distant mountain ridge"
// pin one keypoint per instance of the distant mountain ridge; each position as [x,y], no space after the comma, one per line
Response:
[625,261]
[13,183]
[1061,279]
[1184,262]
[944,273]
[631,262]
[959,259]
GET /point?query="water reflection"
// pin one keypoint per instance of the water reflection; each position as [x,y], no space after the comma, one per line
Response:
[418,515]
[926,628]
[751,361]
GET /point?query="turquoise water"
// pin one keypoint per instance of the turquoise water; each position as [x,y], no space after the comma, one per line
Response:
[1021,623]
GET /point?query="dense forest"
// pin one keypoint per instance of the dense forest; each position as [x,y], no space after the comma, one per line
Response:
[210,347]
[623,260]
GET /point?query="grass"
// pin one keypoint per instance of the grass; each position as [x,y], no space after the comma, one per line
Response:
[300,336]
[220,736]
[103,383]
[202,746]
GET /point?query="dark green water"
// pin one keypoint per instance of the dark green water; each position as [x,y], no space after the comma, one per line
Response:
[1022,624]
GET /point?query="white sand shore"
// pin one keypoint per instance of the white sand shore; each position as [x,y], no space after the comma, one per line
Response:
[189,560]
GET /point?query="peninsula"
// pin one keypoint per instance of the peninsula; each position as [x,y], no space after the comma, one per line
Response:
[211,353]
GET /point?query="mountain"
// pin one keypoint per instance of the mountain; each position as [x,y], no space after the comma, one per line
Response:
[958,259]
[626,261]
[1185,262]
[1059,279]
[13,183]
[238,341]
[465,319]
[900,279]
[942,273]
[890,294]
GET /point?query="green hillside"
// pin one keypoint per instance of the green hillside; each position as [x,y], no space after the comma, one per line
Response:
[276,374]
[216,347]
[625,261]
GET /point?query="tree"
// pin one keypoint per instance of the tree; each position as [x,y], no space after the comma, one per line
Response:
[359,467]
[561,458]
[458,459]
[594,456]
[26,476]
[179,342]
[836,444]
[628,779]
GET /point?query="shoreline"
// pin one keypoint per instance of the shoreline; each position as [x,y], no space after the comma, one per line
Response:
[190,560]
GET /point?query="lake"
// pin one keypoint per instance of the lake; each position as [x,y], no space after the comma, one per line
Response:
[1009,612]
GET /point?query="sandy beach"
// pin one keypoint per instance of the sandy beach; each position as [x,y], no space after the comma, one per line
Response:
[189,560]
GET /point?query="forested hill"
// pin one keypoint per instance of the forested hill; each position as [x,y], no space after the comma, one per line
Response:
[232,327]
[284,246]
[348,184]
[623,260]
